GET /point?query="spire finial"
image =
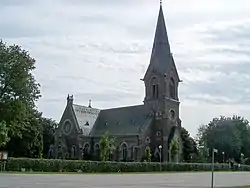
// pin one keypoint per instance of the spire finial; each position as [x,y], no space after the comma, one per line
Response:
[161,2]
[90,103]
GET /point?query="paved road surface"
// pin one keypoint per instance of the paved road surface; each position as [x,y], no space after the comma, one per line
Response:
[171,180]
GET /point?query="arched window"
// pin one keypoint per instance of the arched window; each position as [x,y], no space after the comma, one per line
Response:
[124,150]
[172,88]
[86,149]
[97,147]
[73,152]
[135,153]
[59,152]
[97,150]
[155,88]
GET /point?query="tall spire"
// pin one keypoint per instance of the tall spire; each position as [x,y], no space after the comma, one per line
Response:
[161,57]
[161,36]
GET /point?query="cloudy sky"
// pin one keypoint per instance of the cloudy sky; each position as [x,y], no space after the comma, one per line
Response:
[100,50]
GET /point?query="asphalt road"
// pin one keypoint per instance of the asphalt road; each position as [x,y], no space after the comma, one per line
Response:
[174,180]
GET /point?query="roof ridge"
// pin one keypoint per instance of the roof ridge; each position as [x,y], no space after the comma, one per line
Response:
[86,106]
[122,107]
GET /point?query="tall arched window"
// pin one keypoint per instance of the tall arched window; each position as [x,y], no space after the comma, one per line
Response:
[124,150]
[86,148]
[73,152]
[172,88]
[97,150]
[59,152]
[155,88]
[135,153]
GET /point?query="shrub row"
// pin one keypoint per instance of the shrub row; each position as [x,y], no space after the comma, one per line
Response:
[56,165]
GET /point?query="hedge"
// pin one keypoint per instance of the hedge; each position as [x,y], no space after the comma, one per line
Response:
[57,165]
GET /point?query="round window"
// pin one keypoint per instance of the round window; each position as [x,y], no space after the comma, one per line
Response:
[67,127]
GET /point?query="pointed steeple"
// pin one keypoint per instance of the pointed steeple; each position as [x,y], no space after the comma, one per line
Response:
[161,36]
[161,57]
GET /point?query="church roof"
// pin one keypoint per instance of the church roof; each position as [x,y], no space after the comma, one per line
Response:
[129,120]
[85,117]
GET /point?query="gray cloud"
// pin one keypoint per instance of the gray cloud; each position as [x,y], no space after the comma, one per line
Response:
[230,80]
[100,50]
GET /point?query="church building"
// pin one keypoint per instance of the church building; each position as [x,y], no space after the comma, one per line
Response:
[154,124]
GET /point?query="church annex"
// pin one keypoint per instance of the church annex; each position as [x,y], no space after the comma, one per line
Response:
[155,123]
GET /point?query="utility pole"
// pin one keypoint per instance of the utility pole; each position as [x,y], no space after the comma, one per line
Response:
[214,151]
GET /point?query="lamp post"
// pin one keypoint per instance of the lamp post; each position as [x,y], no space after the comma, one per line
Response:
[223,159]
[212,182]
[160,147]
[242,158]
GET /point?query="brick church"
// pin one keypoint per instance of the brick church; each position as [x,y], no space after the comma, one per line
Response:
[155,123]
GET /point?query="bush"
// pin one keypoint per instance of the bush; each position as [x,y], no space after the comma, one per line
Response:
[57,165]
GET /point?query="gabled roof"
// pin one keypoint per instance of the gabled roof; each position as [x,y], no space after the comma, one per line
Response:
[129,120]
[161,57]
[86,117]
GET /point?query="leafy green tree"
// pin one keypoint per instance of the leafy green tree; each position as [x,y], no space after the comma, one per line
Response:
[190,150]
[106,147]
[227,134]
[3,134]
[30,144]
[148,154]
[174,145]
[48,130]
[18,93]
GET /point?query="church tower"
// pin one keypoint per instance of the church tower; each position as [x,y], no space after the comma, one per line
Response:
[161,92]
[161,78]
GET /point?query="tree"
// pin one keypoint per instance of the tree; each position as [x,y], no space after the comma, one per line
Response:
[148,154]
[48,130]
[30,144]
[174,145]
[106,147]
[18,93]
[227,134]
[189,146]
[3,134]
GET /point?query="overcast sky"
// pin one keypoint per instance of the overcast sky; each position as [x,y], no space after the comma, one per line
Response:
[100,50]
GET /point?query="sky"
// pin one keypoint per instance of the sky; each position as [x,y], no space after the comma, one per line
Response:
[100,50]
